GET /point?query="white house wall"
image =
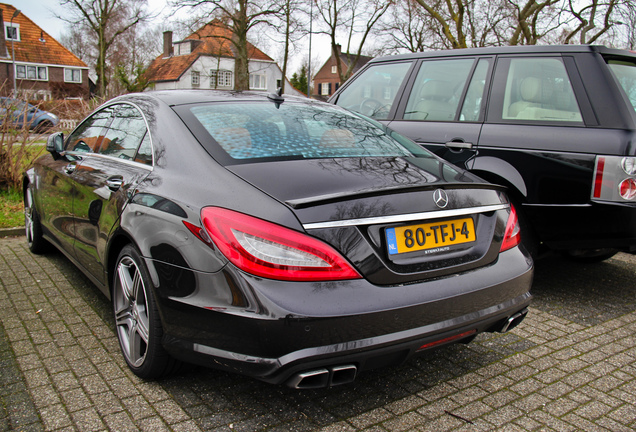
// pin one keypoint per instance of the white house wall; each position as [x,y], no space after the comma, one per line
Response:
[205,64]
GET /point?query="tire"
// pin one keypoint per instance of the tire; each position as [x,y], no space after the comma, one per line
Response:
[590,256]
[33,228]
[137,321]
[43,126]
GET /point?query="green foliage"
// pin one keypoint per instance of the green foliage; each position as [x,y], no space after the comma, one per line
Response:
[138,84]
[11,214]
[299,79]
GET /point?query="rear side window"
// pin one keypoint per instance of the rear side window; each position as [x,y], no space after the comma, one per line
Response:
[625,73]
[438,90]
[538,89]
[374,92]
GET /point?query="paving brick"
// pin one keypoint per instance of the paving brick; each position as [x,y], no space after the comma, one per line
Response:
[570,366]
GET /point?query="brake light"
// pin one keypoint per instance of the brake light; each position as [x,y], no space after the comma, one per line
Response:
[272,251]
[512,236]
[615,178]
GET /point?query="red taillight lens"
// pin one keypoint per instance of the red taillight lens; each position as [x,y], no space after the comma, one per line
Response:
[627,189]
[512,237]
[272,251]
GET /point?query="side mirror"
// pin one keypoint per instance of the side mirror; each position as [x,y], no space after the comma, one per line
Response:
[55,143]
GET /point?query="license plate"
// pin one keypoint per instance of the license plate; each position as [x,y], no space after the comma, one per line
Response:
[434,235]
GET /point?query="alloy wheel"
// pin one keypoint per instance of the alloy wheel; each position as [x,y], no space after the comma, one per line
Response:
[131,311]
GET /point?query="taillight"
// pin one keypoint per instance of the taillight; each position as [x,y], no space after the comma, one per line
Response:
[627,189]
[272,251]
[615,178]
[512,236]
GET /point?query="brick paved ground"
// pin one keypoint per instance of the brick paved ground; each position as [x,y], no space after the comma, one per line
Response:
[570,366]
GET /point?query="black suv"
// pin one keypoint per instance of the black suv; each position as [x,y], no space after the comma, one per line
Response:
[555,124]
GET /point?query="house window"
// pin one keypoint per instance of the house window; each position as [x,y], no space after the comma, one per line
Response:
[12,31]
[196,78]
[334,69]
[258,81]
[72,75]
[35,73]
[325,89]
[220,78]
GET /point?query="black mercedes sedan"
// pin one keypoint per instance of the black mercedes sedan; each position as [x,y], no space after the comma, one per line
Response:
[281,238]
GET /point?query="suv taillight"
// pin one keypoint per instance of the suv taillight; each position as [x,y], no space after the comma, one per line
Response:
[615,179]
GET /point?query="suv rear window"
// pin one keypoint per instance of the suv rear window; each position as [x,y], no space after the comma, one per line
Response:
[625,73]
[538,89]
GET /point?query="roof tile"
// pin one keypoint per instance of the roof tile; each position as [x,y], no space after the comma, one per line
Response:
[31,49]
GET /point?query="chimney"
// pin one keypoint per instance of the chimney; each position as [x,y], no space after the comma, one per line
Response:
[338,49]
[167,44]
[3,42]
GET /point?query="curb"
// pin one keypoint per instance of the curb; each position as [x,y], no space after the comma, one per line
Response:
[11,232]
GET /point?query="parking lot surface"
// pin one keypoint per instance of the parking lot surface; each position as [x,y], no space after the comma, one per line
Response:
[570,366]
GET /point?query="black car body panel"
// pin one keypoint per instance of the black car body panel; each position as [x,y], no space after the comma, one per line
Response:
[215,312]
[541,139]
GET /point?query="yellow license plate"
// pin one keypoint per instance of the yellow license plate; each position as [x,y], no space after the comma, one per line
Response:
[412,238]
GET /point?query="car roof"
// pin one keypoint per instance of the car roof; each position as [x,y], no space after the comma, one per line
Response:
[183,97]
[523,49]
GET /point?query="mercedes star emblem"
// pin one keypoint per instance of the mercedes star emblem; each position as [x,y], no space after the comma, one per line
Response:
[440,198]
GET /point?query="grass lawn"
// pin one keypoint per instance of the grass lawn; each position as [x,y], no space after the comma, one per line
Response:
[11,209]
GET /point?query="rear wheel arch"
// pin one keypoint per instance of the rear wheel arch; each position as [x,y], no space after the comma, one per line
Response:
[499,171]
[529,235]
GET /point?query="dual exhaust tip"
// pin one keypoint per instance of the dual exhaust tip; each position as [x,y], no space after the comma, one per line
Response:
[324,377]
[346,374]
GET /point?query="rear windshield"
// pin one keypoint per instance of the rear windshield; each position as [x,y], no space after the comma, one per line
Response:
[264,130]
[625,73]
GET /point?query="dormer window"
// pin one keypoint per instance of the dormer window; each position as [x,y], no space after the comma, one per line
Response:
[182,48]
[12,31]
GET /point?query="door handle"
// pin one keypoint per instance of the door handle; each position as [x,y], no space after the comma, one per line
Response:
[70,168]
[459,145]
[114,183]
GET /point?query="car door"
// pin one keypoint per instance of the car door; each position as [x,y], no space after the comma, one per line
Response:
[541,138]
[443,109]
[105,180]
[56,182]
[535,135]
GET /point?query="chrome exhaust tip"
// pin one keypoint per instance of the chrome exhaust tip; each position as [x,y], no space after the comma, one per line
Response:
[513,321]
[322,378]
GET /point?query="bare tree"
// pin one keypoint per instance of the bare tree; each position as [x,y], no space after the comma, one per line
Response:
[106,20]
[240,16]
[594,19]
[355,19]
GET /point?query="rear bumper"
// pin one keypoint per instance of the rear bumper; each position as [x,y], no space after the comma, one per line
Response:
[286,329]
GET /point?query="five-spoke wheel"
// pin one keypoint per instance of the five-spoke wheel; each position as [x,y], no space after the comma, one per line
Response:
[137,319]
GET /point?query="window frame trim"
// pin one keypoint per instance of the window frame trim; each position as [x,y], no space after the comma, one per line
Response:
[8,24]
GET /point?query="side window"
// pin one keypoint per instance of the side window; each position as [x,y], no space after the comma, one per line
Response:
[625,74]
[374,92]
[87,137]
[124,134]
[437,90]
[538,89]
[144,154]
[475,93]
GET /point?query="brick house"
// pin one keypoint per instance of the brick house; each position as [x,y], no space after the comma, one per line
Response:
[205,60]
[327,80]
[43,68]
